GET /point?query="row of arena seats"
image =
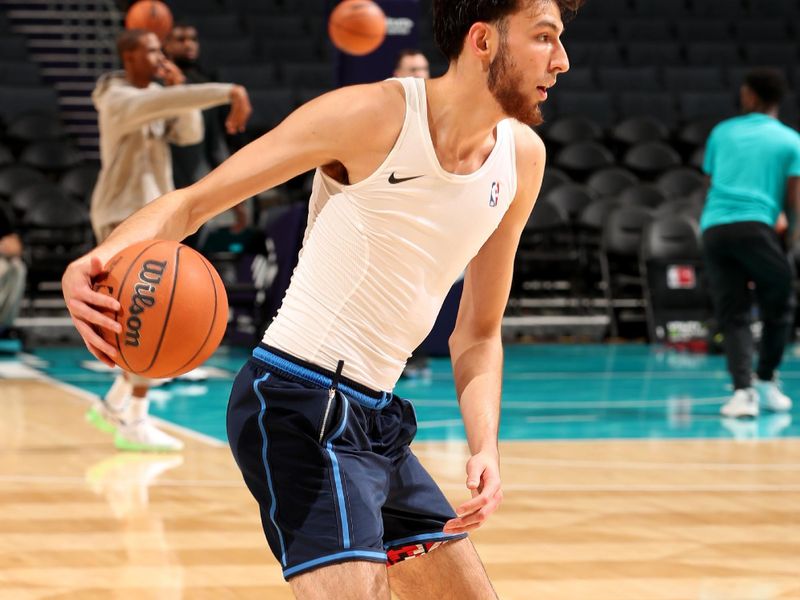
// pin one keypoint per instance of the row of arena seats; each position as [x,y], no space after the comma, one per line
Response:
[677,9]
[50,209]
[620,252]
[245,8]
[649,160]
[688,140]
[622,185]
[23,186]
[720,28]
[705,78]
[724,54]
[231,25]
[215,50]
[671,109]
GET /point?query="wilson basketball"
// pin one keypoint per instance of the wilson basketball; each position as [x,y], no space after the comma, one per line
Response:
[151,15]
[357,26]
[174,309]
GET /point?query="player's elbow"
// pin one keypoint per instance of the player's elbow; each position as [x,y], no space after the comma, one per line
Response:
[472,332]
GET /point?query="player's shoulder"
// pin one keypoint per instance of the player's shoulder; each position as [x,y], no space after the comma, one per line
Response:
[369,100]
[528,145]
[530,154]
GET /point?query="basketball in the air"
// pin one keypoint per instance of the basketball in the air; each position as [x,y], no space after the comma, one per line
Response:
[357,26]
[174,309]
[151,15]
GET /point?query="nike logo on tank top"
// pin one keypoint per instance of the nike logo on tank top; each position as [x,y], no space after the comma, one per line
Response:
[379,256]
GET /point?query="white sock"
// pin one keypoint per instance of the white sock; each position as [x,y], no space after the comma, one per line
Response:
[137,409]
[118,396]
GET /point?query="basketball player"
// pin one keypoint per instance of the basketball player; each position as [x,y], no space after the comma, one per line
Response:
[754,164]
[138,118]
[416,181]
[411,63]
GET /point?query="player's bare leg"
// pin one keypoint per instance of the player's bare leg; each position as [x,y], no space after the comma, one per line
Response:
[453,570]
[356,580]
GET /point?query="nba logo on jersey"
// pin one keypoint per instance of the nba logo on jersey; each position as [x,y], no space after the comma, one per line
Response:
[494,196]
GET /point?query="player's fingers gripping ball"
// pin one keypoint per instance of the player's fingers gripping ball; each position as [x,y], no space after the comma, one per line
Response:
[174,309]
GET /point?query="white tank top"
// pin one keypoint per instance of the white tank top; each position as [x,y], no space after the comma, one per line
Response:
[379,256]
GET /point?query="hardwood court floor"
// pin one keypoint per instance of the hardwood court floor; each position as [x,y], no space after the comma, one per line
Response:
[607,520]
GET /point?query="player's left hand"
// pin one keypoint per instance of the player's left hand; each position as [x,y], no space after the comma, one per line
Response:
[483,481]
[240,110]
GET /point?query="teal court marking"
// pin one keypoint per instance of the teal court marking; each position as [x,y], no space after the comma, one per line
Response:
[550,392]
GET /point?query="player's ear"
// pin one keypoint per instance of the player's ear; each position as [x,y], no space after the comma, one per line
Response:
[480,40]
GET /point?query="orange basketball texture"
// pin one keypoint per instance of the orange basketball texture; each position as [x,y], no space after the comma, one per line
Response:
[357,26]
[151,15]
[174,309]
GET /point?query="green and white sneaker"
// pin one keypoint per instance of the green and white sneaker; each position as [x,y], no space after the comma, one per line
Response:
[103,418]
[143,436]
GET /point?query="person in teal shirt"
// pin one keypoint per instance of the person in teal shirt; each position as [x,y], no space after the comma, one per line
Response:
[753,161]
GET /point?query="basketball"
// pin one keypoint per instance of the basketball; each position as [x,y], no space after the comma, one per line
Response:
[151,15]
[173,308]
[357,26]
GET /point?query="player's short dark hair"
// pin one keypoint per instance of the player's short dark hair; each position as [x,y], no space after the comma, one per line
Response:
[767,83]
[405,52]
[128,39]
[453,18]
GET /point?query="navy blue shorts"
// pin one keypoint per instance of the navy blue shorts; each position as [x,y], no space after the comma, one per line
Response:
[331,470]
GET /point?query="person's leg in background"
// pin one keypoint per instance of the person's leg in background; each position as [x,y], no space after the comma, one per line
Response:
[730,294]
[770,269]
[12,289]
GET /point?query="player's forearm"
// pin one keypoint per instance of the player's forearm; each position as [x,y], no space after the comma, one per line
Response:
[792,210]
[134,109]
[167,218]
[477,369]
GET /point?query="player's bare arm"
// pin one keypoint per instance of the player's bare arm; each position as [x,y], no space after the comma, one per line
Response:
[792,209]
[349,130]
[475,345]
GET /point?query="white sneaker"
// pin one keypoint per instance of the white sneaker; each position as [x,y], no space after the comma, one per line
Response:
[772,397]
[196,374]
[743,403]
[143,436]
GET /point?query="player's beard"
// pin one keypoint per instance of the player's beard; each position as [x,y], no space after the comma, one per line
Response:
[505,84]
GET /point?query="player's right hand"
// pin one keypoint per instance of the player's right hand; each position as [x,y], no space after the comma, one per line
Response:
[86,305]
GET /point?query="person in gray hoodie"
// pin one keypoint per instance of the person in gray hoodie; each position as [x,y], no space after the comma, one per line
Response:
[138,119]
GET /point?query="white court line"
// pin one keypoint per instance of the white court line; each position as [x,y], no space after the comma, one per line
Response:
[47,480]
[572,404]
[643,374]
[190,433]
[561,418]
[512,487]
[643,488]
[439,423]
[626,465]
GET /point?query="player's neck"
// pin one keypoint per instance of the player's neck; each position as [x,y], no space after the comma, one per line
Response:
[139,81]
[461,115]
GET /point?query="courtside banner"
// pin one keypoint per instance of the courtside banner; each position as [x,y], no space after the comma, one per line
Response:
[401,32]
